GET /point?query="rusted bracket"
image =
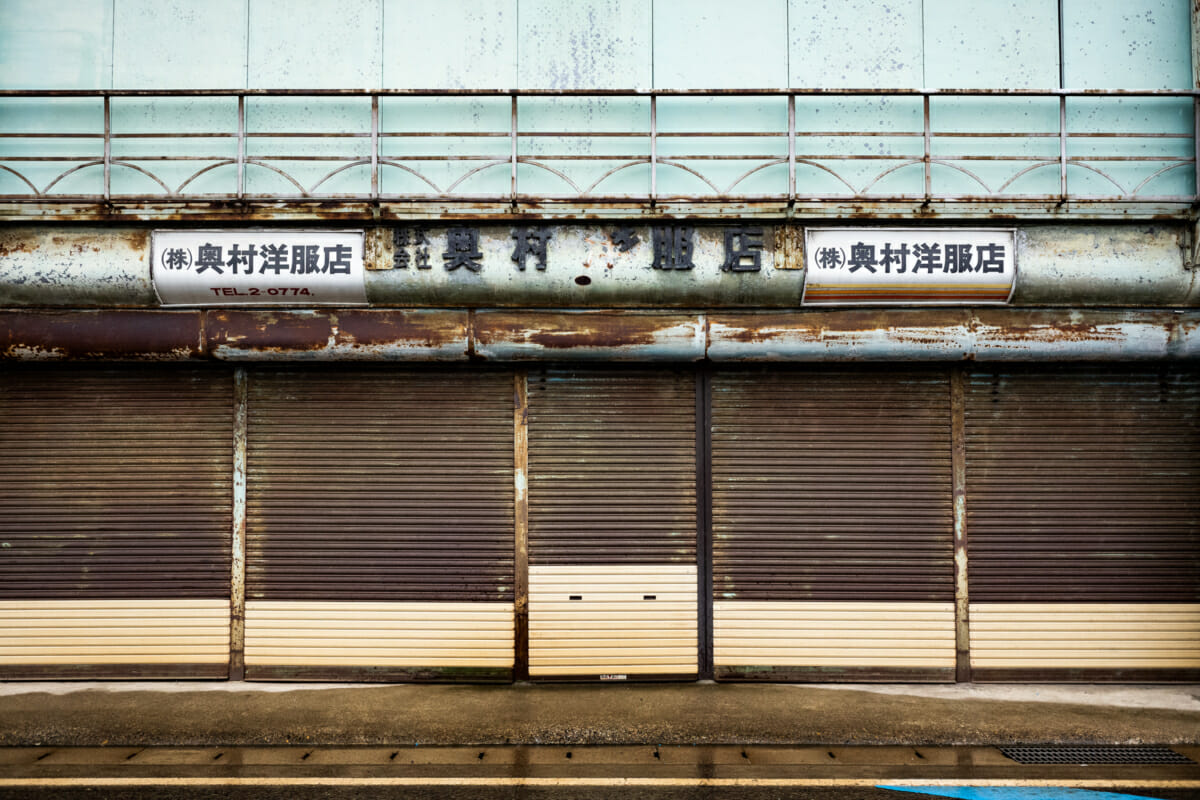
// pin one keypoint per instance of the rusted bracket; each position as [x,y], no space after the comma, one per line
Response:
[1190,244]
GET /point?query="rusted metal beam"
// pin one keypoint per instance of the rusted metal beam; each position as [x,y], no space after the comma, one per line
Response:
[342,335]
[435,335]
[958,459]
[588,336]
[101,335]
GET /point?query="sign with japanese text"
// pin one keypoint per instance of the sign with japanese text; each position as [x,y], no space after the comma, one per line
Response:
[911,266]
[590,264]
[258,267]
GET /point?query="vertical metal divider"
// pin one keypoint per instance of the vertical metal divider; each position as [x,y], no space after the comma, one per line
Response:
[1062,149]
[653,149]
[704,565]
[241,154]
[237,594]
[791,108]
[928,135]
[521,525]
[512,135]
[107,148]
[1196,146]
[958,456]
[375,147]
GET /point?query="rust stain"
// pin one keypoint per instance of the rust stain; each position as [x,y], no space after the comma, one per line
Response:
[823,325]
[82,335]
[388,328]
[268,331]
[567,331]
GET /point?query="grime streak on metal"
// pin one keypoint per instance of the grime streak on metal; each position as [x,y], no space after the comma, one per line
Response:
[521,524]
[962,638]
[237,597]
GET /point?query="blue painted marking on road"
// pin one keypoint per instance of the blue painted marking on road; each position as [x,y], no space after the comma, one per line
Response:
[1015,793]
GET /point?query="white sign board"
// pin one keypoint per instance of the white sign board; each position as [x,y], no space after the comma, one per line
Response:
[909,266]
[258,267]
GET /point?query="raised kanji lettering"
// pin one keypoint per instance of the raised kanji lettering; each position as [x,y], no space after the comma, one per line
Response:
[209,256]
[462,249]
[624,239]
[862,256]
[743,250]
[531,242]
[400,257]
[673,247]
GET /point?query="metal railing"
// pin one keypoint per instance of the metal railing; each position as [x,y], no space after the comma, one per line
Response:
[971,146]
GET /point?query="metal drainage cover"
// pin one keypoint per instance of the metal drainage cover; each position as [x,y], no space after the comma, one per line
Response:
[1095,755]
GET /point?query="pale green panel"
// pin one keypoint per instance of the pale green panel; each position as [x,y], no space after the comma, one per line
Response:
[991,44]
[840,152]
[695,164]
[855,44]
[57,115]
[468,153]
[584,44]
[316,45]
[295,164]
[567,158]
[450,44]
[1150,159]
[179,44]
[1018,156]
[714,44]
[1127,44]
[64,44]
[153,164]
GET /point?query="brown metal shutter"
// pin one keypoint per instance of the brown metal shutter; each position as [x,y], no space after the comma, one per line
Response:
[380,523]
[1083,519]
[832,523]
[612,523]
[115,502]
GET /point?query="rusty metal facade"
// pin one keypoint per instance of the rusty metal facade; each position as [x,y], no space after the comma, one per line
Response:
[529,152]
[612,467]
[379,486]
[832,486]
[1081,484]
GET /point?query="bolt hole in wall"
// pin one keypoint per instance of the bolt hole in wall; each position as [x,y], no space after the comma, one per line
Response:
[369,556]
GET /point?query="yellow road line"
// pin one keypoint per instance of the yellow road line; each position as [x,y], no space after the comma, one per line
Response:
[1092,783]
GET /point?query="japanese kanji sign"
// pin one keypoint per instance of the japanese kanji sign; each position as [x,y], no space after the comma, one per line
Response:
[256,267]
[912,266]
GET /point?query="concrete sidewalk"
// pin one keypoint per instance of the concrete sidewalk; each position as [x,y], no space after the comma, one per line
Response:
[232,714]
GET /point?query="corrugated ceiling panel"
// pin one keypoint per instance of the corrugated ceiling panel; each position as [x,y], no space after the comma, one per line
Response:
[1083,484]
[380,485]
[116,482]
[832,486]
[612,467]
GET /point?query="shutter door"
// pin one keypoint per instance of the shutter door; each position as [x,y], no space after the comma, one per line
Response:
[612,523]
[832,525]
[379,525]
[115,512]
[1083,519]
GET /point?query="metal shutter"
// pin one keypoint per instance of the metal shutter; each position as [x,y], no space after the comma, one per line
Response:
[612,523]
[379,524]
[115,506]
[832,524]
[1083,519]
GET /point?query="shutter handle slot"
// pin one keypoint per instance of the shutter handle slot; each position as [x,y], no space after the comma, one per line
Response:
[576,597]
[649,597]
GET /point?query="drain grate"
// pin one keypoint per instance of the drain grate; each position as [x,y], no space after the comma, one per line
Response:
[1111,754]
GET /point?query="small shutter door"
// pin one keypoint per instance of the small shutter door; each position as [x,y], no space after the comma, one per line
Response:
[832,525]
[1083,517]
[115,507]
[612,523]
[379,525]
